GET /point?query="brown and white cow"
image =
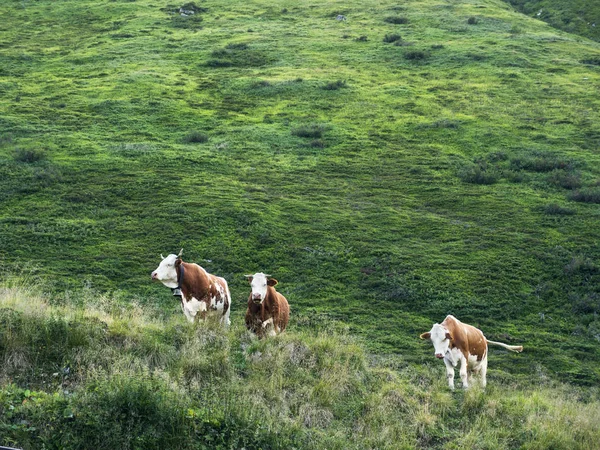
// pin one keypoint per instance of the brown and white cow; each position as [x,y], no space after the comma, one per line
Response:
[266,306]
[456,342]
[200,291]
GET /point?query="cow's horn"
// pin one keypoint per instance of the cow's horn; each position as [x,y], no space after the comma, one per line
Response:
[180,253]
[161,256]
[268,276]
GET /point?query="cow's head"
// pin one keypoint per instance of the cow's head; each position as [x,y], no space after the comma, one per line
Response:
[259,282]
[166,272]
[440,337]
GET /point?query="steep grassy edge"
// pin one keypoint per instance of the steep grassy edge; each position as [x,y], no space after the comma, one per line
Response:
[575,16]
[108,378]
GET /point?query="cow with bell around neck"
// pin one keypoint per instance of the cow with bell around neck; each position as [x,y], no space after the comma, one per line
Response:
[202,294]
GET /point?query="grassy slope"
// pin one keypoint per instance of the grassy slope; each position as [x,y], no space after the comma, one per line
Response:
[96,177]
[575,16]
[103,378]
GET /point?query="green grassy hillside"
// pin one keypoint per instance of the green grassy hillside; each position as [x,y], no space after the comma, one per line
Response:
[103,378]
[575,16]
[416,159]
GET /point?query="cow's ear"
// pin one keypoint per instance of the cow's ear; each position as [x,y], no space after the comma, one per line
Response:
[272,282]
[426,335]
[448,335]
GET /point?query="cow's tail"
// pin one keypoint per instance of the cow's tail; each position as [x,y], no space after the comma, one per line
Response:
[512,348]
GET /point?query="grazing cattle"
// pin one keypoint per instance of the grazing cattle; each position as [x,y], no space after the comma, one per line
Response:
[266,306]
[200,292]
[456,342]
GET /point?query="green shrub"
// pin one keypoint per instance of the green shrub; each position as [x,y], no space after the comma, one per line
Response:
[335,85]
[313,130]
[396,20]
[554,209]
[478,174]
[29,155]
[587,195]
[195,137]
[472,20]
[564,179]
[391,38]
[415,55]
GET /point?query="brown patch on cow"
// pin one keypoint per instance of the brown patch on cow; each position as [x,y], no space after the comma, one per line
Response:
[199,284]
[468,339]
[274,306]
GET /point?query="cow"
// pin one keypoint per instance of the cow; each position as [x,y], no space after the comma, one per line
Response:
[456,342]
[200,292]
[266,306]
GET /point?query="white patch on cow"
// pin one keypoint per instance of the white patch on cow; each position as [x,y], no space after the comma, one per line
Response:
[165,272]
[440,342]
[267,322]
[259,286]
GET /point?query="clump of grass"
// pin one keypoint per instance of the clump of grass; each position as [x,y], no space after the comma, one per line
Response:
[586,195]
[580,264]
[335,85]
[388,38]
[472,20]
[554,209]
[237,46]
[29,155]
[195,137]
[317,143]
[564,179]
[593,61]
[396,20]
[415,55]
[362,38]
[478,174]
[313,130]
[544,162]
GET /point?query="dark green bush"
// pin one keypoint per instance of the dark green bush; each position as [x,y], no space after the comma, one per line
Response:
[554,209]
[396,20]
[478,174]
[313,130]
[195,137]
[587,195]
[415,55]
[335,85]
[472,20]
[567,180]
[391,38]
[29,155]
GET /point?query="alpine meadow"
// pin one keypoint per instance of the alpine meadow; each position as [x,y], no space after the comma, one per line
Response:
[388,162]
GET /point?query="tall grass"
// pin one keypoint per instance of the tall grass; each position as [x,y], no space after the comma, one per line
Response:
[91,377]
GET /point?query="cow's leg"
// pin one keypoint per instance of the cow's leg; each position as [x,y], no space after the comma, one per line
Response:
[449,373]
[483,371]
[463,372]
[267,322]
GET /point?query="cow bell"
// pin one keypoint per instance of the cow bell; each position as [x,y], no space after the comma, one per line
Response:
[177,292]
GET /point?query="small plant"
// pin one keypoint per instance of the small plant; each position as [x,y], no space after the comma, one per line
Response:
[567,180]
[478,174]
[396,20]
[388,38]
[362,38]
[237,46]
[317,143]
[555,209]
[587,195]
[313,130]
[335,85]
[29,155]
[472,20]
[415,55]
[195,137]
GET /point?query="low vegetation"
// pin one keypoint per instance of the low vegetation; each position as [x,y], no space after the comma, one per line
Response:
[104,377]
